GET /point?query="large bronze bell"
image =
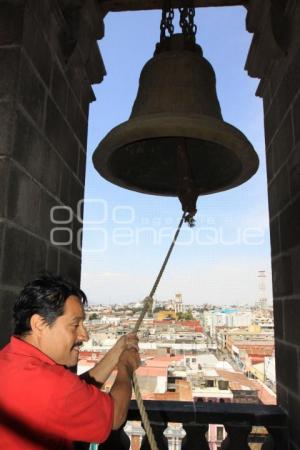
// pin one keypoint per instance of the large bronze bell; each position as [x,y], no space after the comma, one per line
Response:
[175,142]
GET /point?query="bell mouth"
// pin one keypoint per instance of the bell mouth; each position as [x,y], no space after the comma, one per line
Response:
[141,154]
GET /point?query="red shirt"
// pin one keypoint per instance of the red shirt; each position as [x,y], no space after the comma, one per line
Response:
[45,406]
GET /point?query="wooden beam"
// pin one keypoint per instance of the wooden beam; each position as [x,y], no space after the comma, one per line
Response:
[138,5]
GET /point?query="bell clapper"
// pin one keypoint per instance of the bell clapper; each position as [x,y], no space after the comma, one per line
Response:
[187,192]
[189,219]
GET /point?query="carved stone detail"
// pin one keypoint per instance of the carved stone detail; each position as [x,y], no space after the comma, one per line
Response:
[271,21]
[83,26]
[264,47]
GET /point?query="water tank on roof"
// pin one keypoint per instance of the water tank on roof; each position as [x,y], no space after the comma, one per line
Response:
[223,385]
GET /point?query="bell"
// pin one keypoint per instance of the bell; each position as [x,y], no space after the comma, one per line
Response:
[175,142]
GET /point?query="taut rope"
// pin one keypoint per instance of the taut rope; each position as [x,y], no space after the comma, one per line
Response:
[147,305]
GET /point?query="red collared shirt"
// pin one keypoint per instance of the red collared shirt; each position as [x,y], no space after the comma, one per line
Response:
[45,406]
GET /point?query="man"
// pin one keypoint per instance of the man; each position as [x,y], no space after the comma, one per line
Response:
[43,405]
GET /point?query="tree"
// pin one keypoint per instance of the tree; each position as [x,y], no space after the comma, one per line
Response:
[185,316]
[93,316]
[188,315]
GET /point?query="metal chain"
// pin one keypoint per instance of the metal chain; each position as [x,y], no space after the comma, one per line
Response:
[148,302]
[166,23]
[187,15]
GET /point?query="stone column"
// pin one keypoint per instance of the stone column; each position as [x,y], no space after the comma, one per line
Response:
[49,58]
[274,57]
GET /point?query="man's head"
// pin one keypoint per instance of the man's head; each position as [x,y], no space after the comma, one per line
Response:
[49,315]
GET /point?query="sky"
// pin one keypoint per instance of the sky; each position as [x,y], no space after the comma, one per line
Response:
[127,234]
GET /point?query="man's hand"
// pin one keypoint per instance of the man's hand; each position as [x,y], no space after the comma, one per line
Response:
[127,342]
[121,390]
[101,371]
[129,360]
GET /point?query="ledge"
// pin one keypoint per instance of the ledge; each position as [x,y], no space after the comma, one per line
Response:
[138,5]
[209,412]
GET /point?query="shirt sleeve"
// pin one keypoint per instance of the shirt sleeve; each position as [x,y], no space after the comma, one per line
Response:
[81,412]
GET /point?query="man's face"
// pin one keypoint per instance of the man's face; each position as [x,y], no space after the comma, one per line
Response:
[62,339]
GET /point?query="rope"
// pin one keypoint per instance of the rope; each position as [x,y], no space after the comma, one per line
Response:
[143,413]
[148,302]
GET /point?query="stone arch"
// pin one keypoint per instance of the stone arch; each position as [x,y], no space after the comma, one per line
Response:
[49,59]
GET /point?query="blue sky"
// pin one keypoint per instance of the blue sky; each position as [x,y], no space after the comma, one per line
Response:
[126,234]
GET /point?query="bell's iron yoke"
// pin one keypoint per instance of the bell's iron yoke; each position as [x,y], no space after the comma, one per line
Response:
[176,142]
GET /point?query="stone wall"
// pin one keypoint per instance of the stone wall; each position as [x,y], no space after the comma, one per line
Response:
[274,57]
[49,58]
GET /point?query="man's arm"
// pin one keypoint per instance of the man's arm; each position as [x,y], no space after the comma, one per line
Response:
[122,388]
[101,371]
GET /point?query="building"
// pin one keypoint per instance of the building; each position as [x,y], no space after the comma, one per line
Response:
[178,303]
[262,296]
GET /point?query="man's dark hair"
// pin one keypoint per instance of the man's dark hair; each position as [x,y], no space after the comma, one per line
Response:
[45,296]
